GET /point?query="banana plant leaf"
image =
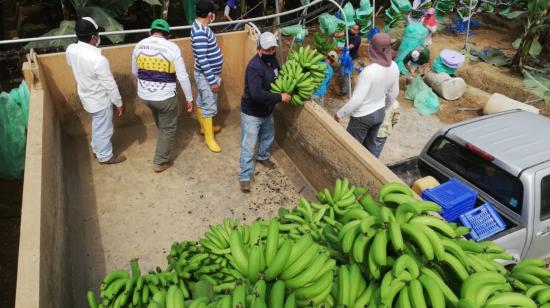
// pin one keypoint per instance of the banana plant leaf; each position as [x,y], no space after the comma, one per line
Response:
[538,82]
[534,50]
[152,2]
[511,15]
[114,8]
[66,27]
[105,20]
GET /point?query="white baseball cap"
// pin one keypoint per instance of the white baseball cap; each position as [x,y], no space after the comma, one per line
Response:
[267,40]
[415,55]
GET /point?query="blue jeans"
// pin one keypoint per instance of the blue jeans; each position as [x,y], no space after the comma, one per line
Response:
[102,131]
[379,145]
[206,99]
[252,130]
[365,129]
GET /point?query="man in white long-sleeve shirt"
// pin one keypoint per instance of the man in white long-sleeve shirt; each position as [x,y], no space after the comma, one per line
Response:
[96,86]
[157,63]
[377,87]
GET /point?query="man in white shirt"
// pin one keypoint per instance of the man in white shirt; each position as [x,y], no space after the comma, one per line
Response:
[97,88]
[157,64]
[377,87]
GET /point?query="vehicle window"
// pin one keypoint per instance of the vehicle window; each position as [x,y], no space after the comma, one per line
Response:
[545,198]
[487,177]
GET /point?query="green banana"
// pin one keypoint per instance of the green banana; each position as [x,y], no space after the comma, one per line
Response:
[239,296]
[399,188]
[379,246]
[405,262]
[511,299]
[238,252]
[277,295]
[396,236]
[487,290]
[308,274]
[416,294]
[420,239]
[290,301]
[449,295]
[473,283]
[296,267]
[357,283]
[272,242]
[343,286]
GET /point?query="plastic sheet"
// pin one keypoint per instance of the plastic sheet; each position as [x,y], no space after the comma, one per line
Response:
[14,117]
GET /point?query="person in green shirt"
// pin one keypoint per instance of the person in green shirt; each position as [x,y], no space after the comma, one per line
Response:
[417,60]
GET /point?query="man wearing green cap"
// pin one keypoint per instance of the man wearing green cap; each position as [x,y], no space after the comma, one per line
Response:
[157,64]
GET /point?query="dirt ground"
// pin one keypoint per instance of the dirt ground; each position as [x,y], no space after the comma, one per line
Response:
[413,131]
[116,222]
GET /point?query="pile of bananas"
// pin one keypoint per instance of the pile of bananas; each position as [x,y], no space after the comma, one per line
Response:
[392,16]
[301,75]
[340,40]
[345,249]
[323,43]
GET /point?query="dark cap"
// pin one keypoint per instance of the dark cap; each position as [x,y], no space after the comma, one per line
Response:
[87,26]
[380,49]
[204,7]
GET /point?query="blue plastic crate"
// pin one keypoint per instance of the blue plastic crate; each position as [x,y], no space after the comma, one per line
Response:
[484,221]
[453,196]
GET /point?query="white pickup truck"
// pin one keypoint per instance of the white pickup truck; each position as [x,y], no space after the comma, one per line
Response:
[505,157]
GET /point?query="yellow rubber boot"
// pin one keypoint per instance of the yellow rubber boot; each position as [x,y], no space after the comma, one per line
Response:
[209,135]
[215,128]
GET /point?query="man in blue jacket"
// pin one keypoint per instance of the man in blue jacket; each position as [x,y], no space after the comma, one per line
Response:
[257,106]
[319,95]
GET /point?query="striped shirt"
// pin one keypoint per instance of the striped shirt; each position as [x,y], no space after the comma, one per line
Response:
[207,53]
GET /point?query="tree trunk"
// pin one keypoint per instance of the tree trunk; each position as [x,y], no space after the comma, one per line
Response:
[526,41]
[523,50]
[165,6]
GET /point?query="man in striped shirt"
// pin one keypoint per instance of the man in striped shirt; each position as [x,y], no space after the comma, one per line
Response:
[208,67]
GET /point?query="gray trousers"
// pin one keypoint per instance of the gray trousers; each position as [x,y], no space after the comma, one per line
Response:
[365,129]
[165,114]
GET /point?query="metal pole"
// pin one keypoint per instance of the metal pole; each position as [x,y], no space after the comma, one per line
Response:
[468,28]
[279,37]
[347,39]
[224,23]
[373,15]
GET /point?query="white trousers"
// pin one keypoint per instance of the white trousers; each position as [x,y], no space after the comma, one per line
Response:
[102,131]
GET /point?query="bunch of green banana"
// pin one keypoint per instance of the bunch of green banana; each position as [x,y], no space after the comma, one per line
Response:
[191,262]
[216,239]
[306,218]
[340,28]
[345,250]
[490,289]
[351,289]
[119,289]
[301,75]
[323,43]
[257,295]
[534,279]
[300,264]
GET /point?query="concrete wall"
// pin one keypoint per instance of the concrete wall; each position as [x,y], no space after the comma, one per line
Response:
[43,279]
[58,78]
[323,150]
[320,147]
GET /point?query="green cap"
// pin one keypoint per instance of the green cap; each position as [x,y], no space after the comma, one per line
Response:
[160,24]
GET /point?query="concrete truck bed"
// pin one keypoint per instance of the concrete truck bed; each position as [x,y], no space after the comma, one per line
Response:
[124,211]
[81,219]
